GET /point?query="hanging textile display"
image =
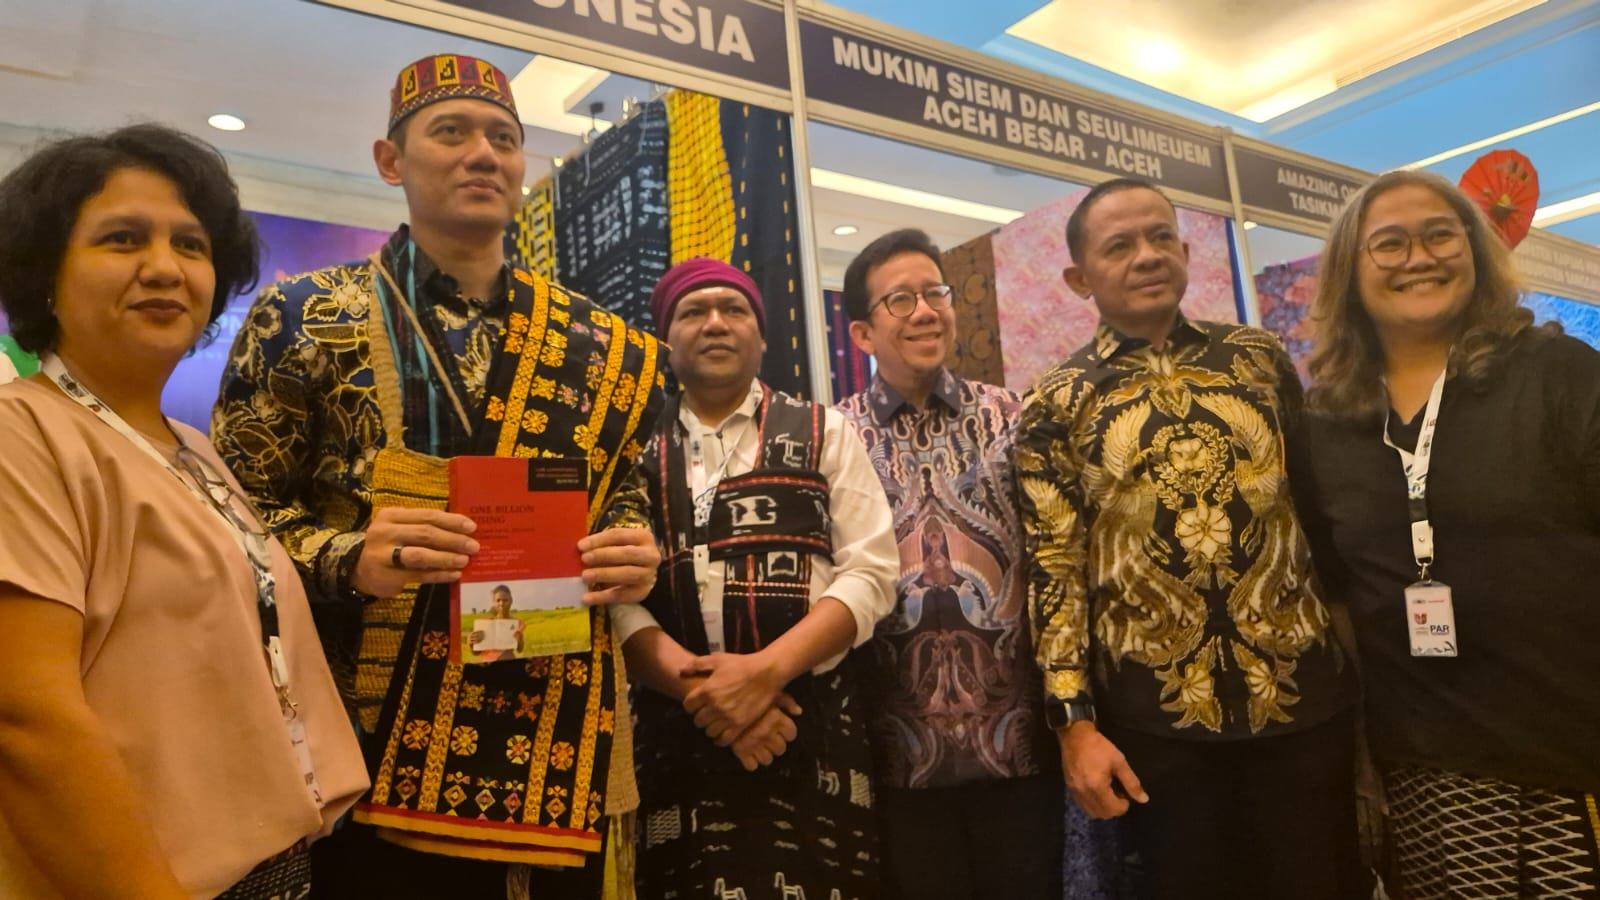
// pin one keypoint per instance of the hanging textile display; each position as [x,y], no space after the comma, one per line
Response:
[611,226]
[1043,321]
[969,268]
[849,369]
[688,175]
[531,240]
[699,186]
[1284,293]
[732,198]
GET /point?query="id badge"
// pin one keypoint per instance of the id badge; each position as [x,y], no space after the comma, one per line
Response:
[713,622]
[302,753]
[1431,619]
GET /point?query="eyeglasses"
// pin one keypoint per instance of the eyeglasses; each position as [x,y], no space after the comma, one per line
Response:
[901,304]
[1390,248]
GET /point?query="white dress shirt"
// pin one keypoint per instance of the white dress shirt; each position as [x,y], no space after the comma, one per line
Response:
[861,573]
[8,371]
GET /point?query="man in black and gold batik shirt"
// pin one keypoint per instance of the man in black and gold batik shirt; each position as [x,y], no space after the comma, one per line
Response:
[1190,670]
[346,393]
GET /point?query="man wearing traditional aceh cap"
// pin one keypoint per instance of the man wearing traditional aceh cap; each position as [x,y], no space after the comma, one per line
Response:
[780,558]
[347,390]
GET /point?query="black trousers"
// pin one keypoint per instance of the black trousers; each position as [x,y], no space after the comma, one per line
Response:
[355,864]
[999,839]
[1264,819]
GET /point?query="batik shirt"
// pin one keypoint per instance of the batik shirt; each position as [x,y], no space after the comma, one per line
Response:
[950,674]
[471,328]
[1169,581]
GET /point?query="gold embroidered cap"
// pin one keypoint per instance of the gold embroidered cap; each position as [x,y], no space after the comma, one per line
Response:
[447,76]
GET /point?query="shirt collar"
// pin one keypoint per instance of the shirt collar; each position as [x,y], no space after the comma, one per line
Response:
[437,286]
[886,400]
[1109,342]
[747,409]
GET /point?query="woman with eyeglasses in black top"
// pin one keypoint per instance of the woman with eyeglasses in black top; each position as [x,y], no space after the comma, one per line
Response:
[1448,476]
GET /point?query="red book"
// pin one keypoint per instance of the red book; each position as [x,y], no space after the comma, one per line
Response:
[521,595]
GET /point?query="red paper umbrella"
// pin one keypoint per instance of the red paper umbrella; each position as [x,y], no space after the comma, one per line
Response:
[1505,185]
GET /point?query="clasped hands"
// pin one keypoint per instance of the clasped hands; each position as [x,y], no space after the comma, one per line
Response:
[741,705]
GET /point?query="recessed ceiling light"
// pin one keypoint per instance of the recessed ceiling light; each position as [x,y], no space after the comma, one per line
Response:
[556,162]
[845,230]
[225,122]
[1159,56]
[526,190]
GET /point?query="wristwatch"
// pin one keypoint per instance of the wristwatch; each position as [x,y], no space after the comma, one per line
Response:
[1060,715]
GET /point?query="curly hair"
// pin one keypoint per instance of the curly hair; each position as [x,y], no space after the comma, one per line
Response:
[40,201]
[1346,359]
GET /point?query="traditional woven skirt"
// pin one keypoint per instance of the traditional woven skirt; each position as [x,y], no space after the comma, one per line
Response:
[1456,836]
[286,876]
[803,827]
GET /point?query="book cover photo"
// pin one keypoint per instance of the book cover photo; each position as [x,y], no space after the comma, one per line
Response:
[521,595]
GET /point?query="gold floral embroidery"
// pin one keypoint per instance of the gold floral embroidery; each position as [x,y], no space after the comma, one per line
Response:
[519,748]
[561,755]
[543,388]
[464,740]
[416,734]
[436,644]
[472,696]
[577,672]
[557,804]
[583,437]
[528,706]
[534,421]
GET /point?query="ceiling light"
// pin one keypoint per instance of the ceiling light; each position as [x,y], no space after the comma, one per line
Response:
[526,190]
[225,122]
[1567,210]
[1291,97]
[1249,225]
[845,230]
[1158,56]
[894,193]
[1504,136]
[556,162]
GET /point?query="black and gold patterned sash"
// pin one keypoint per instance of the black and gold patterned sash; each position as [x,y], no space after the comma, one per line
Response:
[508,761]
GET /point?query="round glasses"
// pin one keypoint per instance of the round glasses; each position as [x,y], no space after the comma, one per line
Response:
[1390,248]
[901,304]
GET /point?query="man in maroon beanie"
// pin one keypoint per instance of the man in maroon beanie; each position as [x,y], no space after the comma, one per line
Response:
[778,559]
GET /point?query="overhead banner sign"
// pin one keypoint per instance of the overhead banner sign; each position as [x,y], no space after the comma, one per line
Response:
[1288,186]
[852,70]
[718,39]
[1559,266]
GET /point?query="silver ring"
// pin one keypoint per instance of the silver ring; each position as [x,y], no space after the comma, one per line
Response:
[395,556]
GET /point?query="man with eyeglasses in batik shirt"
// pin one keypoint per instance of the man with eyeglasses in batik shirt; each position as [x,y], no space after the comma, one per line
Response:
[971,805]
[1189,666]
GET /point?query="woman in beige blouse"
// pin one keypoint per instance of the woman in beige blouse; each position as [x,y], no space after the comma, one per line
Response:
[168,726]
